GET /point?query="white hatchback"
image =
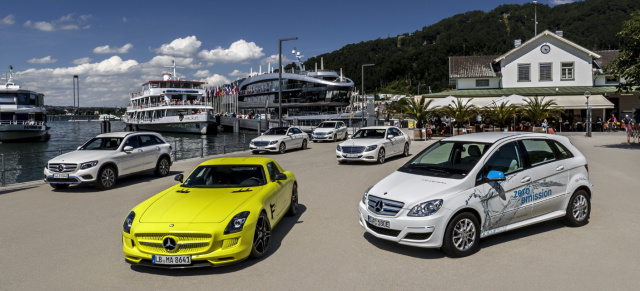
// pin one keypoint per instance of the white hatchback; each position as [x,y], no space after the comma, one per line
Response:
[374,144]
[466,187]
[279,139]
[330,130]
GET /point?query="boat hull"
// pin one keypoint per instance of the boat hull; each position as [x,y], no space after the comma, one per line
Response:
[192,127]
[19,133]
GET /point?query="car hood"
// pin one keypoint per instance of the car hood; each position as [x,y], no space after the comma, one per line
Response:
[198,205]
[361,142]
[269,137]
[82,156]
[412,189]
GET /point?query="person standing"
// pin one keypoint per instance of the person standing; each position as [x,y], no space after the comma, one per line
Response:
[544,125]
[627,123]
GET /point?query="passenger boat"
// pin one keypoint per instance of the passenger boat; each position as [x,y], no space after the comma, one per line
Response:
[171,105]
[22,113]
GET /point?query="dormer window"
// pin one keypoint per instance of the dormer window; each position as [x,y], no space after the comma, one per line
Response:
[482,83]
[611,80]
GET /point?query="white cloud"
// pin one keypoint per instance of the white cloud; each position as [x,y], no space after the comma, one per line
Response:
[238,74]
[45,60]
[181,47]
[9,20]
[115,50]
[124,19]
[81,61]
[66,22]
[560,2]
[273,60]
[216,80]
[239,52]
[202,74]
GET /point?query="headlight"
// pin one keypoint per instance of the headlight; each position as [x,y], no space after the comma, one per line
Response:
[426,208]
[251,142]
[273,142]
[338,148]
[366,195]
[88,165]
[236,223]
[370,148]
[128,221]
[329,133]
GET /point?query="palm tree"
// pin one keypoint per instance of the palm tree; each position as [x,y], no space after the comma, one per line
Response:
[416,110]
[461,112]
[538,109]
[502,113]
[391,109]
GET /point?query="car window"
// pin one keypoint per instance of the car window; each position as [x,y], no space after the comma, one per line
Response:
[132,141]
[146,140]
[103,143]
[157,139]
[563,152]
[273,170]
[327,125]
[222,176]
[370,133]
[296,130]
[447,159]
[276,131]
[507,159]
[539,151]
[395,132]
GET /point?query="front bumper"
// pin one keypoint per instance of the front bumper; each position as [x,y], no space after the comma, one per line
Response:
[425,232]
[221,249]
[75,177]
[269,148]
[371,156]
[322,137]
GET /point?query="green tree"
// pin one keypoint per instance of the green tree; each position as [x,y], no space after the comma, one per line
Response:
[461,111]
[626,64]
[501,113]
[391,109]
[416,110]
[538,109]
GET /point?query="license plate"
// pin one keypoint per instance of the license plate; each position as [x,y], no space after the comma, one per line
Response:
[379,222]
[171,260]
[352,155]
[260,148]
[61,176]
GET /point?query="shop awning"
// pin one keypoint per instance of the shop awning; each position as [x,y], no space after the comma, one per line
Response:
[580,102]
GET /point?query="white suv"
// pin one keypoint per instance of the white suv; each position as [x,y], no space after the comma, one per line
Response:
[106,157]
[475,185]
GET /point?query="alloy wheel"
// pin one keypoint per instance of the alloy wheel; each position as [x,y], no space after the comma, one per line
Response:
[580,208]
[464,234]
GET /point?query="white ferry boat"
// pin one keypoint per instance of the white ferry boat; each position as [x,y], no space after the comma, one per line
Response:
[22,114]
[171,105]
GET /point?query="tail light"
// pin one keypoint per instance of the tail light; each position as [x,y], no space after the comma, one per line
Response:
[586,166]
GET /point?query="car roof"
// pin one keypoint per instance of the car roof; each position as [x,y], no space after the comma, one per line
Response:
[125,133]
[493,137]
[237,161]
[377,127]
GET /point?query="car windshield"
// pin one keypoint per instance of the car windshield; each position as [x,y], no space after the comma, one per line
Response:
[226,176]
[102,144]
[277,131]
[370,133]
[327,125]
[447,159]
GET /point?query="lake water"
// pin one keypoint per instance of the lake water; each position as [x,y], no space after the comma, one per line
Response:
[25,161]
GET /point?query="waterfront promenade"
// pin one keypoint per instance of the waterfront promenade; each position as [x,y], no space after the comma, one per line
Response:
[71,240]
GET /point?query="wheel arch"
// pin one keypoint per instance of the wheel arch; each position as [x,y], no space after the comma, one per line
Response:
[110,164]
[165,155]
[467,209]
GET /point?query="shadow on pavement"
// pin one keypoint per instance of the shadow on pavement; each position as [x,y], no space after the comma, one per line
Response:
[17,188]
[122,182]
[277,235]
[416,252]
[520,233]
[624,146]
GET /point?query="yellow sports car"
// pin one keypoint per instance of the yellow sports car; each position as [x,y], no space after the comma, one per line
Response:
[222,213]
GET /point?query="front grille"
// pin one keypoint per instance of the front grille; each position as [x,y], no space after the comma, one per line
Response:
[62,168]
[382,206]
[261,143]
[352,150]
[383,231]
[320,133]
[418,236]
[188,243]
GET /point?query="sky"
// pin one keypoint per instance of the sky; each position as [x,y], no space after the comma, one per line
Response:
[116,46]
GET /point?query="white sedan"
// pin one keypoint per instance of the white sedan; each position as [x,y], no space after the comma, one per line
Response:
[374,144]
[279,139]
[330,130]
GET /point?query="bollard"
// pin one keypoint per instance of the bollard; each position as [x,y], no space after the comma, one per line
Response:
[2,182]
[175,151]
[202,148]
[224,142]
[244,142]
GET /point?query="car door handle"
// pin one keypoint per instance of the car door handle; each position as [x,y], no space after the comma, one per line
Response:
[560,168]
[526,180]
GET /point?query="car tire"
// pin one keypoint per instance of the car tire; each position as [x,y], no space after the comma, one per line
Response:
[304,144]
[254,152]
[406,150]
[162,167]
[342,162]
[106,178]
[381,156]
[335,137]
[59,186]
[579,209]
[462,236]
[282,148]
[315,140]
[261,237]
[293,206]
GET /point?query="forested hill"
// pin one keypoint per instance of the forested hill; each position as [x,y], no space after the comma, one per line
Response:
[421,57]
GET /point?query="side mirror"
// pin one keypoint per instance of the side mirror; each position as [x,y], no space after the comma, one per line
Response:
[495,176]
[389,136]
[262,133]
[281,176]
[289,133]
[79,148]
[179,177]
[128,149]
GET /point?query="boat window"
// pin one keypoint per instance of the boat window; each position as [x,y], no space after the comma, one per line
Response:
[226,176]
[7,99]
[102,144]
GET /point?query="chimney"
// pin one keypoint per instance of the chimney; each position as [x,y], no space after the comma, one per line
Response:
[517,43]
[559,33]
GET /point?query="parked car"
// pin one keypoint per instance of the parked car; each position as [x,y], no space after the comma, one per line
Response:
[467,187]
[107,157]
[279,139]
[222,213]
[374,144]
[330,130]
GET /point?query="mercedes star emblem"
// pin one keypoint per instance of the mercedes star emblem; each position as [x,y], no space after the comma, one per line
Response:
[60,168]
[169,244]
[379,206]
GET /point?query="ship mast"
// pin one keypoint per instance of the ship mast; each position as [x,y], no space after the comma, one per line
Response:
[173,62]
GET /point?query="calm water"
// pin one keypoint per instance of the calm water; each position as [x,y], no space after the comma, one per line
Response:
[25,161]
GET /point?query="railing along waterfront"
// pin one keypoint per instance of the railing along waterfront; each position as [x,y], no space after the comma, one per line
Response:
[181,151]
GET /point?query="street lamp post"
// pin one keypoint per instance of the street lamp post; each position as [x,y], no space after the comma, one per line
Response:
[363,95]
[588,94]
[280,77]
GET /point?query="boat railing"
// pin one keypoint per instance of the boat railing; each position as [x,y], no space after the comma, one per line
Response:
[22,122]
[170,103]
